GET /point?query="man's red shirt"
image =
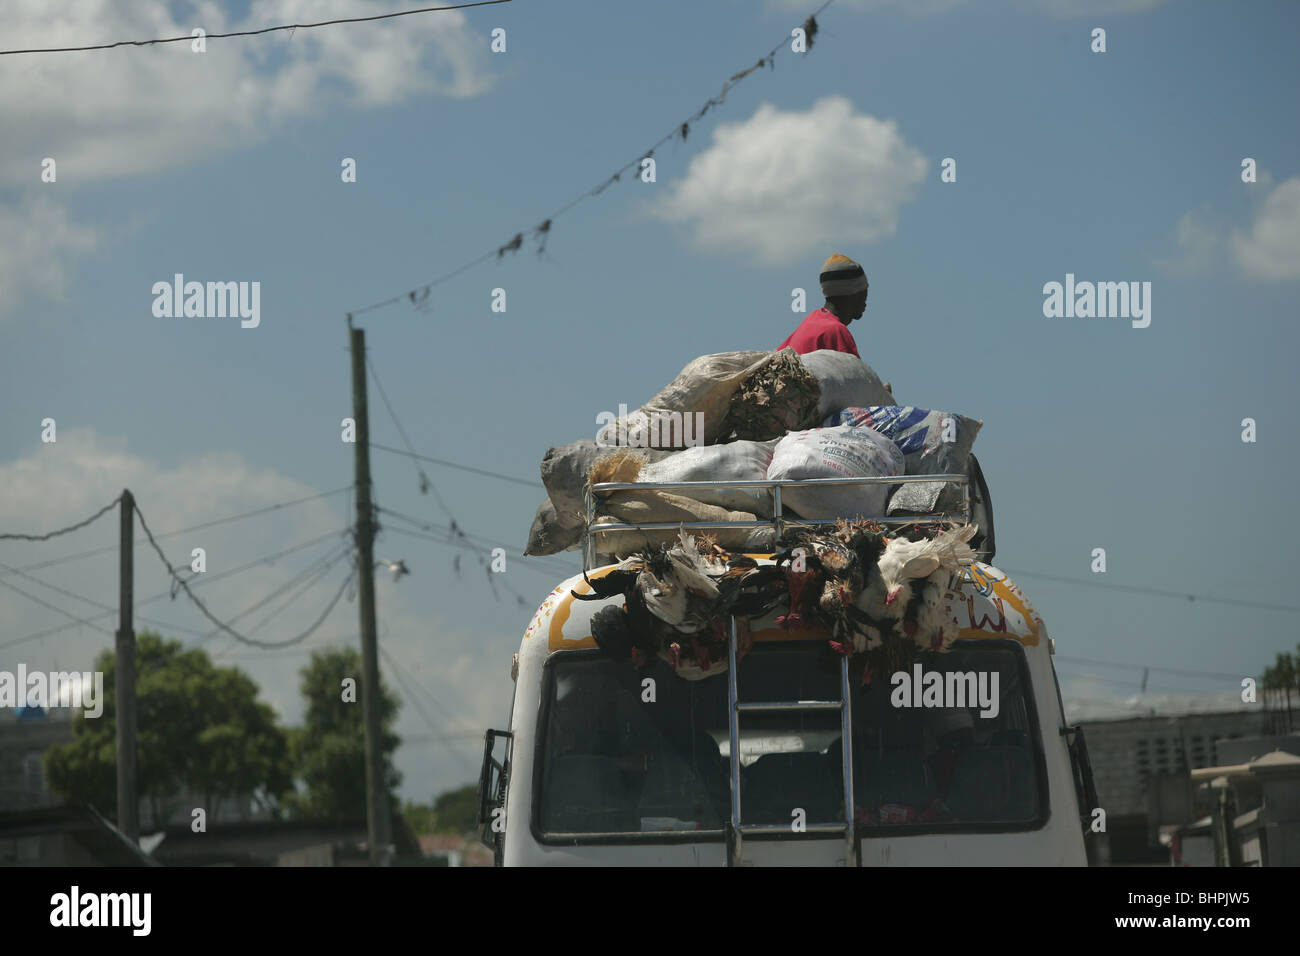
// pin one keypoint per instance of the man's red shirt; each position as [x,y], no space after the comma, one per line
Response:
[821,330]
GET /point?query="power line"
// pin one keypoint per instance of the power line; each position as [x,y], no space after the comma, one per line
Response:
[309,576]
[252,514]
[451,464]
[250,33]
[425,483]
[542,231]
[304,585]
[415,702]
[88,622]
[99,604]
[460,538]
[1156,591]
[1130,684]
[184,586]
[171,534]
[207,579]
[539,562]
[54,534]
[1154,669]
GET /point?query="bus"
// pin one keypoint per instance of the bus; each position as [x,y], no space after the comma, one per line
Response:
[780,759]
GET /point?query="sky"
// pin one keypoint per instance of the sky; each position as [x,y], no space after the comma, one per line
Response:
[1117,166]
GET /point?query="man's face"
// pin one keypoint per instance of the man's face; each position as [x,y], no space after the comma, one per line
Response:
[851,307]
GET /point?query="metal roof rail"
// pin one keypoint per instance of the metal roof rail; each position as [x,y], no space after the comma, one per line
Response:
[778,522]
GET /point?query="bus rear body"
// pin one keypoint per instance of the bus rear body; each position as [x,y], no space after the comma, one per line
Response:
[607,764]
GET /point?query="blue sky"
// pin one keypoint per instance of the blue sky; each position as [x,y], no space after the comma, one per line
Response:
[1115,166]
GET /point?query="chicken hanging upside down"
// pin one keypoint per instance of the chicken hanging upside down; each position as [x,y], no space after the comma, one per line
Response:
[677,600]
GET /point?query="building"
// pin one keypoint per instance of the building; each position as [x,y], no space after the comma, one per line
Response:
[1254,802]
[25,735]
[1142,754]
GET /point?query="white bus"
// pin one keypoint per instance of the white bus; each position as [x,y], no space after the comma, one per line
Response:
[604,764]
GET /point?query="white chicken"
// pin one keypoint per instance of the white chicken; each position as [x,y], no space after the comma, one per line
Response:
[905,561]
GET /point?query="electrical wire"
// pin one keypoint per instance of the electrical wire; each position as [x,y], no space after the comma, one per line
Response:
[542,230]
[469,468]
[184,586]
[171,534]
[251,33]
[1135,589]
[88,622]
[54,534]
[425,483]
[415,702]
[93,603]
[308,576]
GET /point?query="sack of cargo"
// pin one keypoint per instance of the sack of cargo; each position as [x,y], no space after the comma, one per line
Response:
[780,396]
[932,443]
[845,451]
[845,382]
[648,507]
[565,469]
[651,506]
[734,461]
[690,410]
[551,534]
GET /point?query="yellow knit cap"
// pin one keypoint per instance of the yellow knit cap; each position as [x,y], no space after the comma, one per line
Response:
[842,276]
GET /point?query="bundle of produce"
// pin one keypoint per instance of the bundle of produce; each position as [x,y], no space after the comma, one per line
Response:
[778,397]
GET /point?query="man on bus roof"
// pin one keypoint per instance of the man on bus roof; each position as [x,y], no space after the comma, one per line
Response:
[844,284]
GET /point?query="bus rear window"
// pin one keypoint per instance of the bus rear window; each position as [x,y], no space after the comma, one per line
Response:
[628,752]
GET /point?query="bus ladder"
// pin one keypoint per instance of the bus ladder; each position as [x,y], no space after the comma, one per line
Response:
[737,829]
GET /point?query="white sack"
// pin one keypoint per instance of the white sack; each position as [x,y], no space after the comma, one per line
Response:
[734,461]
[846,451]
[846,381]
[703,387]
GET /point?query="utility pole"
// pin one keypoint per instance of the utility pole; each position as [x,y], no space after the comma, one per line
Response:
[378,824]
[128,804]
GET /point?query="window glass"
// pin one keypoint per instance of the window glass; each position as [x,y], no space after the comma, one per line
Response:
[627,751]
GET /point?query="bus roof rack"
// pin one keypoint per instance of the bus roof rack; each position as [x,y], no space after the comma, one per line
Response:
[592,494]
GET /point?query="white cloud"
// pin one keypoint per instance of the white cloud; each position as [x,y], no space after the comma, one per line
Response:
[1197,243]
[462,676]
[781,183]
[1271,250]
[131,110]
[37,241]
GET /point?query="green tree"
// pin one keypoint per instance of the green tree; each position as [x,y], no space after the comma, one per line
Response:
[199,728]
[456,811]
[420,818]
[1285,672]
[329,750]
